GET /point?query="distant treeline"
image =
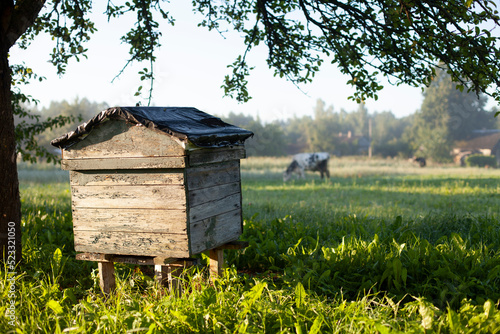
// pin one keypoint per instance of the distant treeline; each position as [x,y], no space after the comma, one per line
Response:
[337,132]
[445,117]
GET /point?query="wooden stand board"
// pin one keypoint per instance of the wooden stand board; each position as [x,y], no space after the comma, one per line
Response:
[167,270]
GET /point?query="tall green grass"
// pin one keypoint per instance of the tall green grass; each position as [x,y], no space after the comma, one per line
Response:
[369,251]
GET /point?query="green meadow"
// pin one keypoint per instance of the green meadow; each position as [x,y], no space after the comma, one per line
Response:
[383,246]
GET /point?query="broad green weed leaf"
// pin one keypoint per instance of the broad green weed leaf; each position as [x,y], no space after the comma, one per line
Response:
[242,328]
[381,328]
[316,327]
[57,257]
[427,314]
[300,295]
[68,294]
[252,296]
[55,306]
[298,328]
[324,275]
[453,321]
[488,309]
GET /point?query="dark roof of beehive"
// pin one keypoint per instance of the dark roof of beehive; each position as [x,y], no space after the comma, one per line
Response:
[199,128]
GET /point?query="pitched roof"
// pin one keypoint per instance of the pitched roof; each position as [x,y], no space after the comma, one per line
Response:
[185,123]
[482,142]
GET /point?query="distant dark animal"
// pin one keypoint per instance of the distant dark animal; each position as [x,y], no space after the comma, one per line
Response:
[421,161]
[316,162]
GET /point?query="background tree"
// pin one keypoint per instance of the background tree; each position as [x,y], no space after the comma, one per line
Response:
[296,135]
[388,134]
[268,139]
[323,130]
[447,115]
[402,40]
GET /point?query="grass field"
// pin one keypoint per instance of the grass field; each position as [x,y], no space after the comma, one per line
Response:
[382,247]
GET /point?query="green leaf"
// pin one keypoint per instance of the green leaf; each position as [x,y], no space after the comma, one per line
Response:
[300,295]
[55,306]
[57,257]
[316,327]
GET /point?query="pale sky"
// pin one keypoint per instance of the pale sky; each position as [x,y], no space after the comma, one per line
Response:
[190,68]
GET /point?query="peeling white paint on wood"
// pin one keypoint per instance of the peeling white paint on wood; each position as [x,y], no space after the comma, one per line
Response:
[211,175]
[140,192]
[127,177]
[146,244]
[123,163]
[125,220]
[114,139]
[138,197]
[215,231]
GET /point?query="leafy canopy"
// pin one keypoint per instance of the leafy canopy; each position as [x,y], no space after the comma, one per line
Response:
[402,40]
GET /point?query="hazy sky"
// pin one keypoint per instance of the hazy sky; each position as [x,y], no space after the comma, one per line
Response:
[190,68]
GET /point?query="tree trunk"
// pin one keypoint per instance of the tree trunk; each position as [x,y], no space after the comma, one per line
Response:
[10,203]
[14,21]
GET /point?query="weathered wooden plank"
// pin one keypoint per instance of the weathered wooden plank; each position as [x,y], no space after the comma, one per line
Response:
[94,257]
[126,177]
[124,163]
[216,262]
[132,243]
[137,220]
[214,155]
[121,139]
[215,207]
[141,197]
[211,175]
[106,276]
[215,193]
[138,260]
[215,231]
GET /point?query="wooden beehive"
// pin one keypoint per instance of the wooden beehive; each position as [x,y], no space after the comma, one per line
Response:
[152,181]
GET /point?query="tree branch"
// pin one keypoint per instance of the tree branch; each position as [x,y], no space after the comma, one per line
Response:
[23,16]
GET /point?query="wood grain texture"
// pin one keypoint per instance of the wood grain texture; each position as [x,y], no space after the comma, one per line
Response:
[211,175]
[215,231]
[123,163]
[138,260]
[107,280]
[216,262]
[126,177]
[132,243]
[215,155]
[115,138]
[212,194]
[125,220]
[129,197]
[215,207]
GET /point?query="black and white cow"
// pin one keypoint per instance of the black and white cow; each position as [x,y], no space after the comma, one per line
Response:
[316,162]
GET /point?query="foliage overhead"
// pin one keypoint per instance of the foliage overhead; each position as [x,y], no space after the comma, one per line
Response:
[400,40]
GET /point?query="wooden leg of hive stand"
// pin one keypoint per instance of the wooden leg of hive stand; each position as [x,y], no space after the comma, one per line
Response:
[169,275]
[216,262]
[106,276]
